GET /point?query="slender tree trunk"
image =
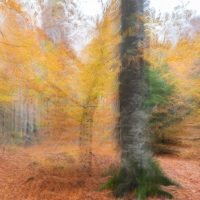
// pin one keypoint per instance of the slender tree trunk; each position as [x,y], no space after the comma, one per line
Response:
[35,129]
[14,117]
[86,140]
[21,124]
[3,123]
[24,114]
[28,124]
[47,119]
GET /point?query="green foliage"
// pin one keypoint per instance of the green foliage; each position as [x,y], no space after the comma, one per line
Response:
[165,105]
[160,87]
[122,182]
[142,182]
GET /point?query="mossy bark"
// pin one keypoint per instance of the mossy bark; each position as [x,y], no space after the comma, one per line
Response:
[132,91]
[139,174]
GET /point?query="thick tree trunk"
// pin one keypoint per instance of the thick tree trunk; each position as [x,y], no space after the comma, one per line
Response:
[139,172]
[133,115]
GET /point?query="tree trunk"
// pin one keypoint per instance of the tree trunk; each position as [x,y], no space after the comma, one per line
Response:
[21,124]
[86,140]
[3,122]
[133,115]
[35,129]
[139,173]
[14,117]
[28,124]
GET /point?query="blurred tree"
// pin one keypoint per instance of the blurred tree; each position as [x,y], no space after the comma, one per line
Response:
[139,172]
[97,77]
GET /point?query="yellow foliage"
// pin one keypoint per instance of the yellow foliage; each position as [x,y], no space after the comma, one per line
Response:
[34,69]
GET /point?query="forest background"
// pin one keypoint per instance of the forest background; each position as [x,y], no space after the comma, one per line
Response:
[59,85]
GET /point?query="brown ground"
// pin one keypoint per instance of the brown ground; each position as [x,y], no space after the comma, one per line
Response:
[49,172]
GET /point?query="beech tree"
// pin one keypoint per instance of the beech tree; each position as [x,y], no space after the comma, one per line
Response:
[139,172]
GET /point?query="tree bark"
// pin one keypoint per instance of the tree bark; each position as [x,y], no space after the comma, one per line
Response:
[86,139]
[132,91]
[14,116]
[35,129]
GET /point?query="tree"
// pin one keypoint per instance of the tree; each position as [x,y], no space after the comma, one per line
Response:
[97,75]
[34,73]
[133,115]
[139,172]
[171,27]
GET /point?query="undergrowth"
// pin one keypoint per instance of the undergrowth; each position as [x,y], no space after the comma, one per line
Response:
[141,182]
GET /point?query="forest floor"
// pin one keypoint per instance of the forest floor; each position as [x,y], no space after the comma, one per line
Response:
[49,171]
